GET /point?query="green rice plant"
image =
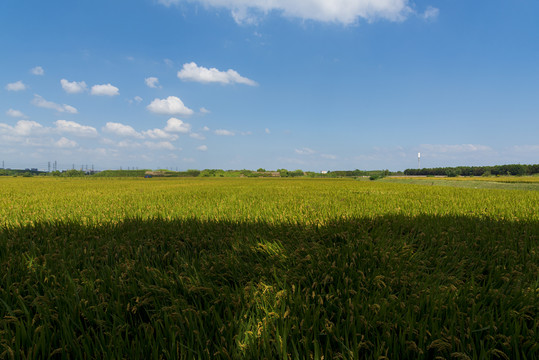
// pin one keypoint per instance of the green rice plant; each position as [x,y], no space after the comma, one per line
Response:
[266,268]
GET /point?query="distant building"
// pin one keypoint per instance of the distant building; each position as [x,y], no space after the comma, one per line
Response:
[324,172]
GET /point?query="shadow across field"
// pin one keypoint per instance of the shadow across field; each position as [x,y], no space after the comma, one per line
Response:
[395,286]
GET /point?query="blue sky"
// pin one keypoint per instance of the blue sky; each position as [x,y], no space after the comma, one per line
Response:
[306,84]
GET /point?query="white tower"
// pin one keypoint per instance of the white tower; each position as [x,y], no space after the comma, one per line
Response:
[418,161]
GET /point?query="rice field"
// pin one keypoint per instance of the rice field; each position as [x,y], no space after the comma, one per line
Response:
[233,268]
[489,182]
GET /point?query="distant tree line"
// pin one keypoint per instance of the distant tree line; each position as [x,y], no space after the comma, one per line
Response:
[201,173]
[20,172]
[514,169]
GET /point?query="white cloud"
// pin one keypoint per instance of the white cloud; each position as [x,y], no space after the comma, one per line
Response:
[205,128]
[152,82]
[39,101]
[337,11]
[105,90]
[177,126]
[431,13]
[169,106]
[22,128]
[204,111]
[38,70]
[223,132]
[304,151]
[65,126]
[15,113]
[137,99]
[163,145]
[267,131]
[202,148]
[159,134]
[121,130]
[197,136]
[193,72]
[244,16]
[128,144]
[65,143]
[73,87]
[16,86]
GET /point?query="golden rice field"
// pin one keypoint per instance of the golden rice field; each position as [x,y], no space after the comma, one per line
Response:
[232,268]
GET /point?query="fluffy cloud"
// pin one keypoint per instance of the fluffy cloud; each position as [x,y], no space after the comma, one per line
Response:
[105,90]
[338,11]
[73,87]
[15,113]
[65,126]
[39,101]
[431,13]
[163,145]
[267,131]
[202,148]
[304,151]
[177,126]
[204,110]
[137,99]
[169,106]
[152,82]
[193,72]
[16,86]
[127,144]
[38,70]
[121,130]
[65,143]
[223,132]
[197,136]
[22,128]
[159,134]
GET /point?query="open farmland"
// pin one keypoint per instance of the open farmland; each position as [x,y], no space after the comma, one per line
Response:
[266,268]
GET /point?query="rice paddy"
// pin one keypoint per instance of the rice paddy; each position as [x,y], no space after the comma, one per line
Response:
[266,268]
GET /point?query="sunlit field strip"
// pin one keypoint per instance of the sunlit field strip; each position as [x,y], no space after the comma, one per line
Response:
[98,201]
[266,268]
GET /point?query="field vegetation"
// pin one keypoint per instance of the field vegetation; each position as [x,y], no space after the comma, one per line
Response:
[488,182]
[266,268]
